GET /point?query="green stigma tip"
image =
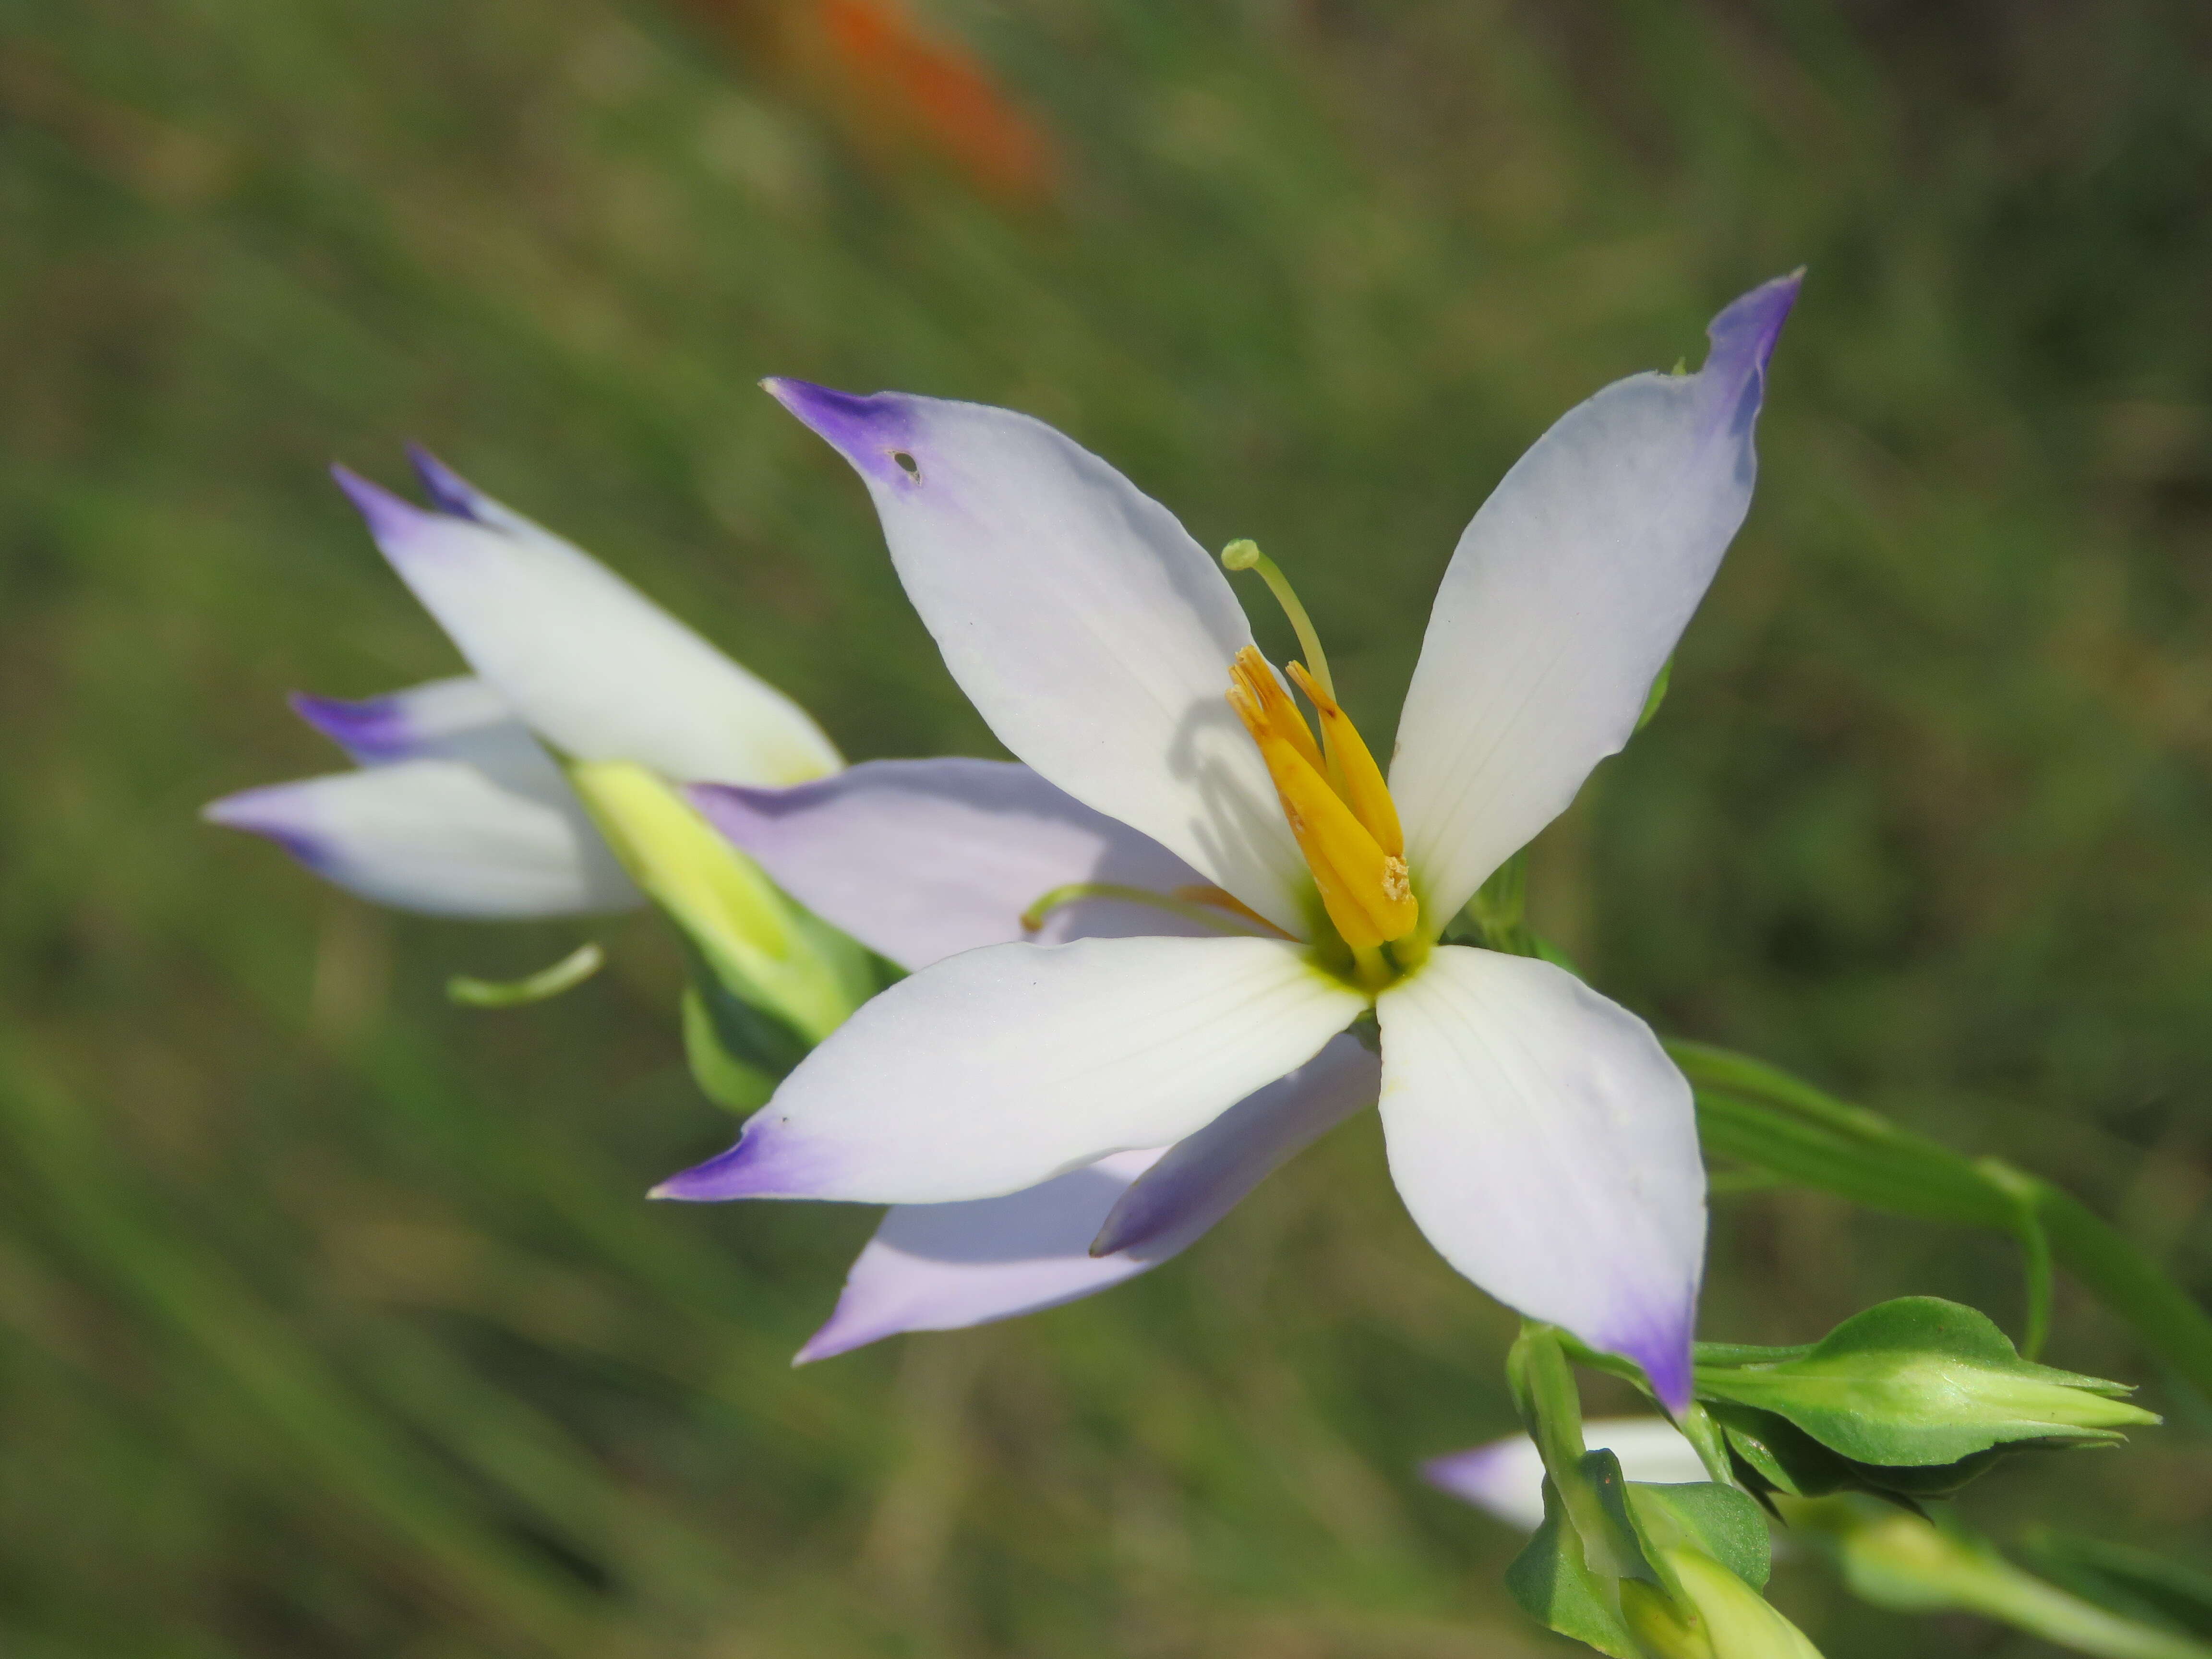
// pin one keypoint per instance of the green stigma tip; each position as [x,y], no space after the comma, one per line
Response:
[1241,555]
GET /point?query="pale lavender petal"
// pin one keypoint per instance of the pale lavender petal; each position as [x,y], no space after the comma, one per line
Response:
[438,837]
[1084,622]
[1566,597]
[1203,1177]
[947,1267]
[1547,1146]
[922,859]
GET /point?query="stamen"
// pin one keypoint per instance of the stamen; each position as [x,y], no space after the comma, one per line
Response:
[1352,769]
[1216,916]
[1364,890]
[1245,555]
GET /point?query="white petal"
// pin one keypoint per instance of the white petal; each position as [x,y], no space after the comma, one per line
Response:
[1002,1067]
[439,836]
[1087,627]
[1506,1477]
[1549,1148]
[921,860]
[1566,597]
[590,663]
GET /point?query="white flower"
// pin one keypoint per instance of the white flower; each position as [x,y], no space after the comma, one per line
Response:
[1538,1134]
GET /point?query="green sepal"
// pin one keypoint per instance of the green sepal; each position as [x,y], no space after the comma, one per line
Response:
[1920,1382]
[1555,1586]
[746,1034]
[725,1079]
[1704,1515]
[1657,694]
[1781,1456]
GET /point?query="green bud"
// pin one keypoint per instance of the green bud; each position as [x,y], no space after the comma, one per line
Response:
[1908,1565]
[1713,1615]
[761,948]
[1919,1381]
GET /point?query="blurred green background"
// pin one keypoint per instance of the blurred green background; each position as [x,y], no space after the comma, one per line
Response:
[332,1320]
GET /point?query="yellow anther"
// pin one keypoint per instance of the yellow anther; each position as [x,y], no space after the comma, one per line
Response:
[1364,888]
[1353,770]
[1250,678]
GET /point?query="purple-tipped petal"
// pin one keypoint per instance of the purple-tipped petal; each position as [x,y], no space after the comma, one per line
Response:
[1203,1177]
[391,518]
[1506,1477]
[439,836]
[1547,1146]
[372,730]
[1733,382]
[583,657]
[769,1161]
[922,860]
[1084,622]
[1001,1068]
[870,432]
[1566,595]
[947,1267]
[449,490]
[279,813]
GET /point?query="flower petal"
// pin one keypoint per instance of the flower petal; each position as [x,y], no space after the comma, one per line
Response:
[945,1266]
[439,836]
[999,1068]
[433,718]
[922,859]
[1078,617]
[589,662]
[1506,1477]
[1549,1148]
[1203,1175]
[1564,597]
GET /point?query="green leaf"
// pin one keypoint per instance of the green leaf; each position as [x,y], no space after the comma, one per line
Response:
[1921,1381]
[1725,1523]
[1554,1585]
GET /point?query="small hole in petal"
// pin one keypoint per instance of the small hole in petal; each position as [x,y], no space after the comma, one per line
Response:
[908,465]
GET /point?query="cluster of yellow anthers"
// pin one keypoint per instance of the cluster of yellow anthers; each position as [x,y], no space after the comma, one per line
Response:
[1334,797]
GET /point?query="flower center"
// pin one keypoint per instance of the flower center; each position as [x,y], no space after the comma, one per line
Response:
[1333,792]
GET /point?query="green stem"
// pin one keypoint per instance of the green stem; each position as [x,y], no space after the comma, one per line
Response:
[572,971]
